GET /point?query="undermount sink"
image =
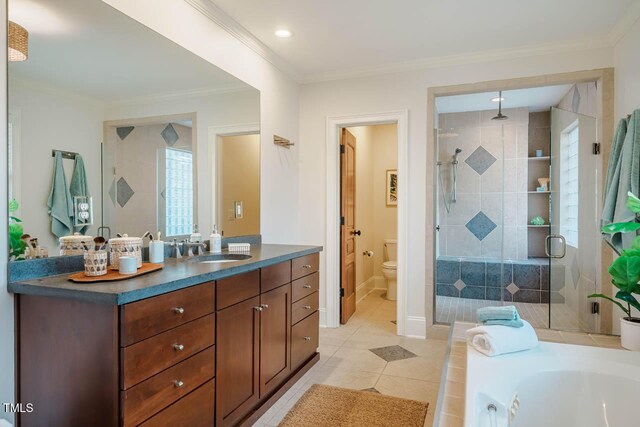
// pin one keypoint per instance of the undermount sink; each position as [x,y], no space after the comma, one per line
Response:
[218,258]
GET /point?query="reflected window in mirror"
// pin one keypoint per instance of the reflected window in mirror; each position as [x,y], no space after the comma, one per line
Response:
[179,192]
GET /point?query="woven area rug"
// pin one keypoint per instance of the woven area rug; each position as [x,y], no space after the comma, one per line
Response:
[324,405]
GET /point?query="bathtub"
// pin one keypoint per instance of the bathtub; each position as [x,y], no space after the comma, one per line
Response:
[554,385]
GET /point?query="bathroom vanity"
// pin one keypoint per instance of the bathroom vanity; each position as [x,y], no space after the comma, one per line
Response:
[195,344]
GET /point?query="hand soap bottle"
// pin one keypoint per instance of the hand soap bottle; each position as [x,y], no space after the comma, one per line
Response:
[195,237]
[215,241]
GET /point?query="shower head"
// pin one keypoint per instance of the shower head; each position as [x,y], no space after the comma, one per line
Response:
[458,150]
[455,156]
[500,116]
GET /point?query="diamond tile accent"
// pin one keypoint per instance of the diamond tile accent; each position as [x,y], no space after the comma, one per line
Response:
[170,135]
[480,160]
[124,131]
[125,192]
[575,102]
[112,192]
[481,225]
[392,353]
[459,285]
[512,288]
[371,389]
[163,193]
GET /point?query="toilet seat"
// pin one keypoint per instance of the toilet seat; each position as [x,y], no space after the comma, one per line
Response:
[391,265]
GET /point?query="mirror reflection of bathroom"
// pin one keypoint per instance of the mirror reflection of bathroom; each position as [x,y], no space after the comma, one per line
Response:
[508,204]
[376,222]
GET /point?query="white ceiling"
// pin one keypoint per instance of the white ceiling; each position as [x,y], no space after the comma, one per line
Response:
[537,99]
[336,36]
[90,48]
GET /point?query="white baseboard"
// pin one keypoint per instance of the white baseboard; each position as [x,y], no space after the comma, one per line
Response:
[365,288]
[323,317]
[415,327]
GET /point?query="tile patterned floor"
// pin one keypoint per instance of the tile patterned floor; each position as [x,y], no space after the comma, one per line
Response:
[450,310]
[399,366]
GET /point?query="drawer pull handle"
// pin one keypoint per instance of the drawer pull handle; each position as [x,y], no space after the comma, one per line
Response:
[178,310]
[178,347]
[307,307]
[306,286]
[307,338]
[306,266]
[178,383]
[257,308]
[264,305]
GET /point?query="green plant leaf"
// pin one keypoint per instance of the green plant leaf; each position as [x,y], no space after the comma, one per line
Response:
[621,227]
[633,203]
[625,272]
[627,297]
[13,205]
[618,303]
[13,218]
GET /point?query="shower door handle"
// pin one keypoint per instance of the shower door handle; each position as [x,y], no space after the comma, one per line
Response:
[547,245]
[356,233]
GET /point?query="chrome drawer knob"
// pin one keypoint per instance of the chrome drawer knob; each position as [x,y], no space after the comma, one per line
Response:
[257,308]
[178,383]
[264,305]
[307,307]
[178,310]
[306,286]
[307,338]
[306,266]
[178,347]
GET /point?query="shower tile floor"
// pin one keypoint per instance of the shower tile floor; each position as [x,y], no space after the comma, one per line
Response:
[451,309]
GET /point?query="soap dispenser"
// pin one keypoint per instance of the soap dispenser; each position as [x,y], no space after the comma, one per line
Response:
[195,237]
[215,241]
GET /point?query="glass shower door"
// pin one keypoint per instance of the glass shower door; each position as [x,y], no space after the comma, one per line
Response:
[572,245]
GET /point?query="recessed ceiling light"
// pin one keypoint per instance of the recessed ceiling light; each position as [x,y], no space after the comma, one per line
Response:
[283,33]
[497,99]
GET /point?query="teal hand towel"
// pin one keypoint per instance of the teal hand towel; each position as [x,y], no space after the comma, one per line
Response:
[507,312]
[511,323]
[60,203]
[79,185]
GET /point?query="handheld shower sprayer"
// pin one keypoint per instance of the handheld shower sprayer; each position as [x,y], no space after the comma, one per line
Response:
[454,162]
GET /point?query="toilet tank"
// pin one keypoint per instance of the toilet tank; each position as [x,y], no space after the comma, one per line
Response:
[391,249]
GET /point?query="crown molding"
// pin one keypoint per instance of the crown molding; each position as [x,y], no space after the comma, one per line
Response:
[462,59]
[226,22]
[624,24]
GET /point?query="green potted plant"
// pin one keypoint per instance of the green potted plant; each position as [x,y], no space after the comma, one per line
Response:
[17,247]
[625,275]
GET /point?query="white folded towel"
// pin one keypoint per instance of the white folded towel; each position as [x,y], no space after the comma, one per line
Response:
[495,339]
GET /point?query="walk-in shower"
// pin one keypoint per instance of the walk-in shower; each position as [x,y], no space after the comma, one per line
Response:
[507,180]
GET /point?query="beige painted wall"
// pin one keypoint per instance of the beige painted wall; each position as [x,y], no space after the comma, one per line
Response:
[376,152]
[239,180]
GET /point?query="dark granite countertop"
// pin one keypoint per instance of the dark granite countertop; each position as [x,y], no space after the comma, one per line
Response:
[176,274]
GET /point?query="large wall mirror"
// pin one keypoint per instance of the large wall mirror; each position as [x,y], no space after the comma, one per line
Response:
[115,129]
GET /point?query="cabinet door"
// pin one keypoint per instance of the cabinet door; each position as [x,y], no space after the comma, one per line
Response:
[275,333]
[237,358]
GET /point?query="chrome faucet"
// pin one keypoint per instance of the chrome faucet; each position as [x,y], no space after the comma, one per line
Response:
[176,251]
[193,248]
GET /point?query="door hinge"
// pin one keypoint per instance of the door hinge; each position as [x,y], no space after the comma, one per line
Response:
[341,292]
[342,150]
[595,307]
[596,148]
[341,220]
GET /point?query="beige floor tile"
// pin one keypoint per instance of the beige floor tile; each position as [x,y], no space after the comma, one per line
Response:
[438,332]
[365,340]
[549,335]
[455,389]
[429,348]
[407,388]
[347,378]
[416,368]
[447,420]
[428,421]
[326,351]
[607,341]
[357,359]
[577,338]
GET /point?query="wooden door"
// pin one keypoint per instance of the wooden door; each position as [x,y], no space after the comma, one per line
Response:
[275,338]
[237,361]
[347,229]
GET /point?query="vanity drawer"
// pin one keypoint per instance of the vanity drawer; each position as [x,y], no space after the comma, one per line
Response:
[304,307]
[305,265]
[235,289]
[194,410]
[303,287]
[161,390]
[274,276]
[146,358]
[151,316]
[304,339]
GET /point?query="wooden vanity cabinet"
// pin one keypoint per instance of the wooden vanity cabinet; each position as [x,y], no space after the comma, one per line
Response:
[218,353]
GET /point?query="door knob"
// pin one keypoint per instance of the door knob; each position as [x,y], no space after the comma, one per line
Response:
[356,232]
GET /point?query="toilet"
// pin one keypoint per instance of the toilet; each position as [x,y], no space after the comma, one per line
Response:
[390,267]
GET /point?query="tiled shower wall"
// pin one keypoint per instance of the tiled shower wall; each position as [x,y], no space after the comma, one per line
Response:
[491,182]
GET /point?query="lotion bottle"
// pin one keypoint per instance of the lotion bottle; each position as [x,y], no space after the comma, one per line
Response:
[215,241]
[195,237]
